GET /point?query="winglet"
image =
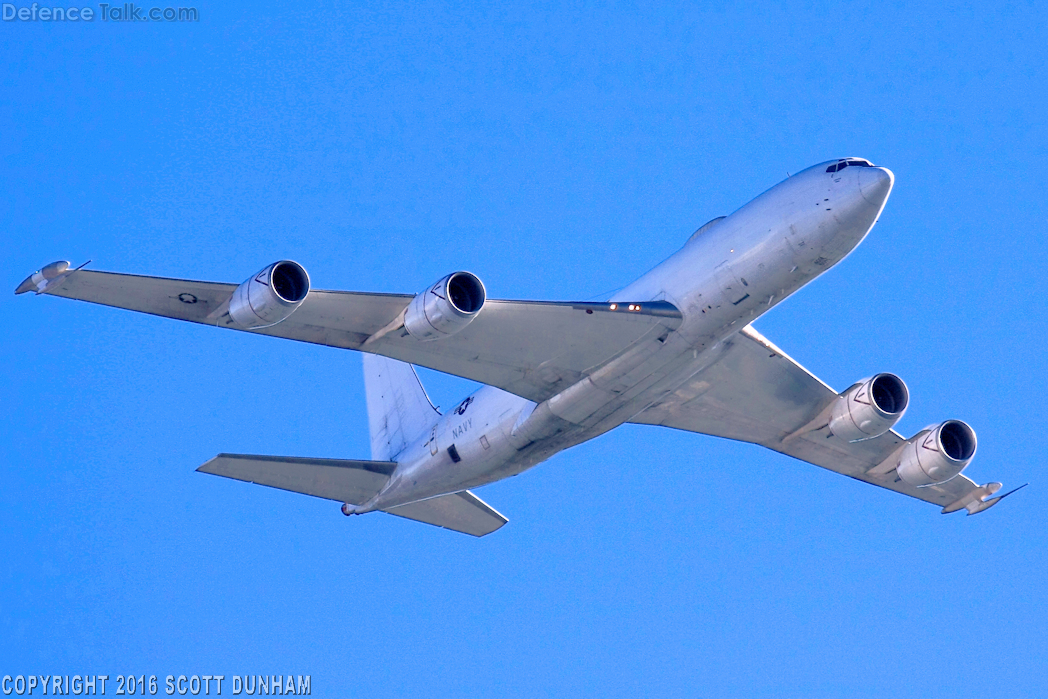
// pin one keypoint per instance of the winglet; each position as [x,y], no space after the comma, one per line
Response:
[44,277]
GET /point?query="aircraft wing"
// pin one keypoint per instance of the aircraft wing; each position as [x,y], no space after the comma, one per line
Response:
[756,393]
[530,348]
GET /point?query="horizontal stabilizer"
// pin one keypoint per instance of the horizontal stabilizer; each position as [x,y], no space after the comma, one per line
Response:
[343,480]
[461,512]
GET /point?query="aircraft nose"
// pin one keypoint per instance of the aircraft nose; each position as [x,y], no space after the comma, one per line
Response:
[875,183]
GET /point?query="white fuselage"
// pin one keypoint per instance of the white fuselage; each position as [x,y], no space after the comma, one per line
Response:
[725,276]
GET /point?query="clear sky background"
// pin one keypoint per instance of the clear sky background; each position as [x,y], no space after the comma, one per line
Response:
[557,152]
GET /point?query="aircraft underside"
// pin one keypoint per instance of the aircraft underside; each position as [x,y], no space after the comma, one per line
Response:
[675,348]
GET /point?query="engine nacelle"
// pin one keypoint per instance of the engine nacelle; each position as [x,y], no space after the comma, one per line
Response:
[937,453]
[869,408]
[446,307]
[270,296]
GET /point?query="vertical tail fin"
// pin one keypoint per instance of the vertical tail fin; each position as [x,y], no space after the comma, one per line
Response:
[399,410]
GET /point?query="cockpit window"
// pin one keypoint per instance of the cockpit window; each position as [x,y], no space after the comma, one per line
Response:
[854,162]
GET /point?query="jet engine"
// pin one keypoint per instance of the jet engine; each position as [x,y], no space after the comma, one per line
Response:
[869,408]
[270,296]
[937,453]
[446,307]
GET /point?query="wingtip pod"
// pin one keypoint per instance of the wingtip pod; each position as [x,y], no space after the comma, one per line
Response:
[979,500]
[976,500]
[39,280]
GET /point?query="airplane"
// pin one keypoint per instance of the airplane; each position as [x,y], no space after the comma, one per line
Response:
[675,348]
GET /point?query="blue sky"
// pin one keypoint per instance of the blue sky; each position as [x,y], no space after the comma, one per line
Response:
[558,152]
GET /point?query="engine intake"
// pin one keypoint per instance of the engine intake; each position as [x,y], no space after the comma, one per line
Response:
[937,453]
[869,408]
[446,307]
[270,296]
